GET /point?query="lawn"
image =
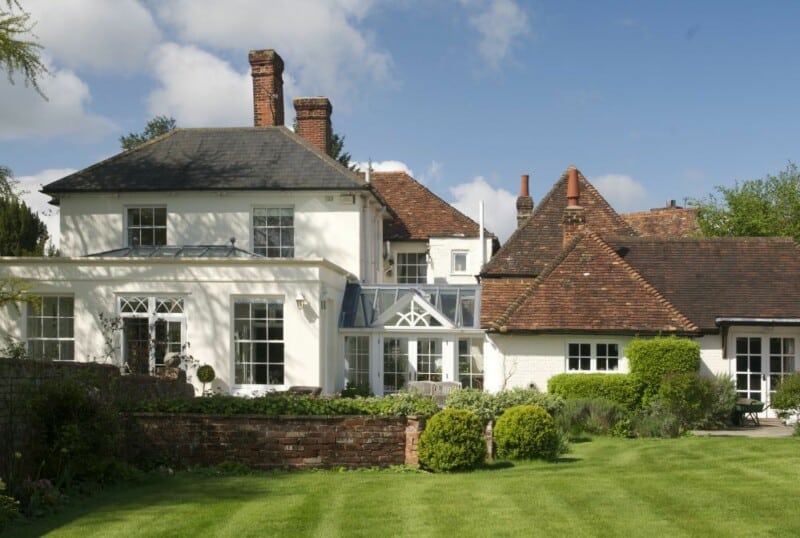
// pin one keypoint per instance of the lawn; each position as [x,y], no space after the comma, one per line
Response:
[603,487]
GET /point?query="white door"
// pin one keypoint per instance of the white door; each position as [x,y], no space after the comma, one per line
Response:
[761,364]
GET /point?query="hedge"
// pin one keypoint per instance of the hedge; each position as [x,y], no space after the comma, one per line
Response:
[619,388]
[488,406]
[651,359]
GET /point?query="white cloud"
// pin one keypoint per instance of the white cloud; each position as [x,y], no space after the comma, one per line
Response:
[385,166]
[321,41]
[38,202]
[24,113]
[432,173]
[624,193]
[199,89]
[499,23]
[499,205]
[95,34]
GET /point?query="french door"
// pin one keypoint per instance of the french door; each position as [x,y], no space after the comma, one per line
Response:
[411,359]
[761,364]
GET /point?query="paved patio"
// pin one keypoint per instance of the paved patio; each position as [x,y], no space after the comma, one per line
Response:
[767,428]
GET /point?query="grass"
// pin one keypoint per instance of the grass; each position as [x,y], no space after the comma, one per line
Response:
[605,487]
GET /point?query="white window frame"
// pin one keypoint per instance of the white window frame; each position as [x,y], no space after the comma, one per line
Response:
[150,312]
[154,227]
[254,388]
[593,356]
[264,249]
[453,266]
[36,312]
[472,374]
[357,359]
[401,261]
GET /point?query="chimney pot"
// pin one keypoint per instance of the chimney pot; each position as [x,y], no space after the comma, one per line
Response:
[267,71]
[314,121]
[524,201]
[573,189]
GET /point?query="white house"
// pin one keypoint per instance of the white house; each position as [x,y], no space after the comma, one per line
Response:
[237,246]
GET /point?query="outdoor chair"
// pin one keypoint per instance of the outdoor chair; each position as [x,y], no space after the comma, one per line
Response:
[423,388]
[305,390]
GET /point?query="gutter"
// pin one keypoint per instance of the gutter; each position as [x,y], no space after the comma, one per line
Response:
[723,322]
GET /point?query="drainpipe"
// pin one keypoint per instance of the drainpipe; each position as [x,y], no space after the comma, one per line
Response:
[481,234]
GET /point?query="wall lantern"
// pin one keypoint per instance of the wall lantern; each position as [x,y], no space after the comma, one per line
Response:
[301,301]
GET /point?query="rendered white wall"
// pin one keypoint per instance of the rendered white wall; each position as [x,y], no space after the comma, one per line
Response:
[209,290]
[441,250]
[327,225]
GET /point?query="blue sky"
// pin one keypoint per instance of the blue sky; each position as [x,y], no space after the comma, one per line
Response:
[651,101]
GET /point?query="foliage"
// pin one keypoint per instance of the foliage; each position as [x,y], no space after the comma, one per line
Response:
[357,390]
[338,153]
[14,349]
[18,53]
[593,415]
[77,432]
[619,388]
[787,397]
[526,432]
[452,441]
[688,396]
[205,374]
[655,421]
[22,233]
[723,400]
[489,406]
[160,125]
[652,358]
[9,507]
[754,207]
[401,404]
[110,326]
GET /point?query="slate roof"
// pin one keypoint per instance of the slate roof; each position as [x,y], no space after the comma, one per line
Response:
[238,158]
[706,278]
[665,222]
[540,239]
[589,288]
[418,213]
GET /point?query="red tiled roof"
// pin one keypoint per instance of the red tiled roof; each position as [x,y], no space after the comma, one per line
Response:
[588,288]
[419,213]
[665,222]
[706,278]
[497,294]
[539,240]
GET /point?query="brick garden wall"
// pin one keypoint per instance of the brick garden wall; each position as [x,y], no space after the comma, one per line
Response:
[20,379]
[268,442]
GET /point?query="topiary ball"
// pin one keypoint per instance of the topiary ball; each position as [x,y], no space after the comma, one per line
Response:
[526,432]
[205,374]
[452,441]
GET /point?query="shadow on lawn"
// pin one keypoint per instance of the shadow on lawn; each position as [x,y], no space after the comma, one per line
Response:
[163,491]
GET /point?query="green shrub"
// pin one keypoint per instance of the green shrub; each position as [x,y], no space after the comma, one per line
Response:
[787,397]
[357,390]
[489,406]
[723,400]
[401,404]
[77,433]
[452,441]
[9,507]
[688,396]
[526,432]
[593,415]
[655,421]
[651,359]
[620,388]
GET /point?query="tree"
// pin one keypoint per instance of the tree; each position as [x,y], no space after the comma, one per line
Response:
[754,207]
[17,54]
[160,125]
[338,152]
[21,231]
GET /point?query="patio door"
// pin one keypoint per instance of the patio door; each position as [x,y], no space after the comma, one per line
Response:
[761,364]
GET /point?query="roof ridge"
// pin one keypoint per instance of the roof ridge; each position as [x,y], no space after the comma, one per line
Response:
[449,205]
[636,275]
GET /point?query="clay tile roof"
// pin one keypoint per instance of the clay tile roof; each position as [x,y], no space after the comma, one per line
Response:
[418,213]
[540,239]
[588,288]
[665,222]
[706,278]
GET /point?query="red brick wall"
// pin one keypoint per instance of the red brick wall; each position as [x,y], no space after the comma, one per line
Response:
[265,442]
[314,121]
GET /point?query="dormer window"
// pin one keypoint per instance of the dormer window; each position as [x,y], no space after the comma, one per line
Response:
[146,226]
[273,232]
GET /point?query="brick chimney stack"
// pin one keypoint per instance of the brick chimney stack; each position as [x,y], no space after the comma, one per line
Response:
[574,220]
[267,69]
[314,121]
[524,201]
